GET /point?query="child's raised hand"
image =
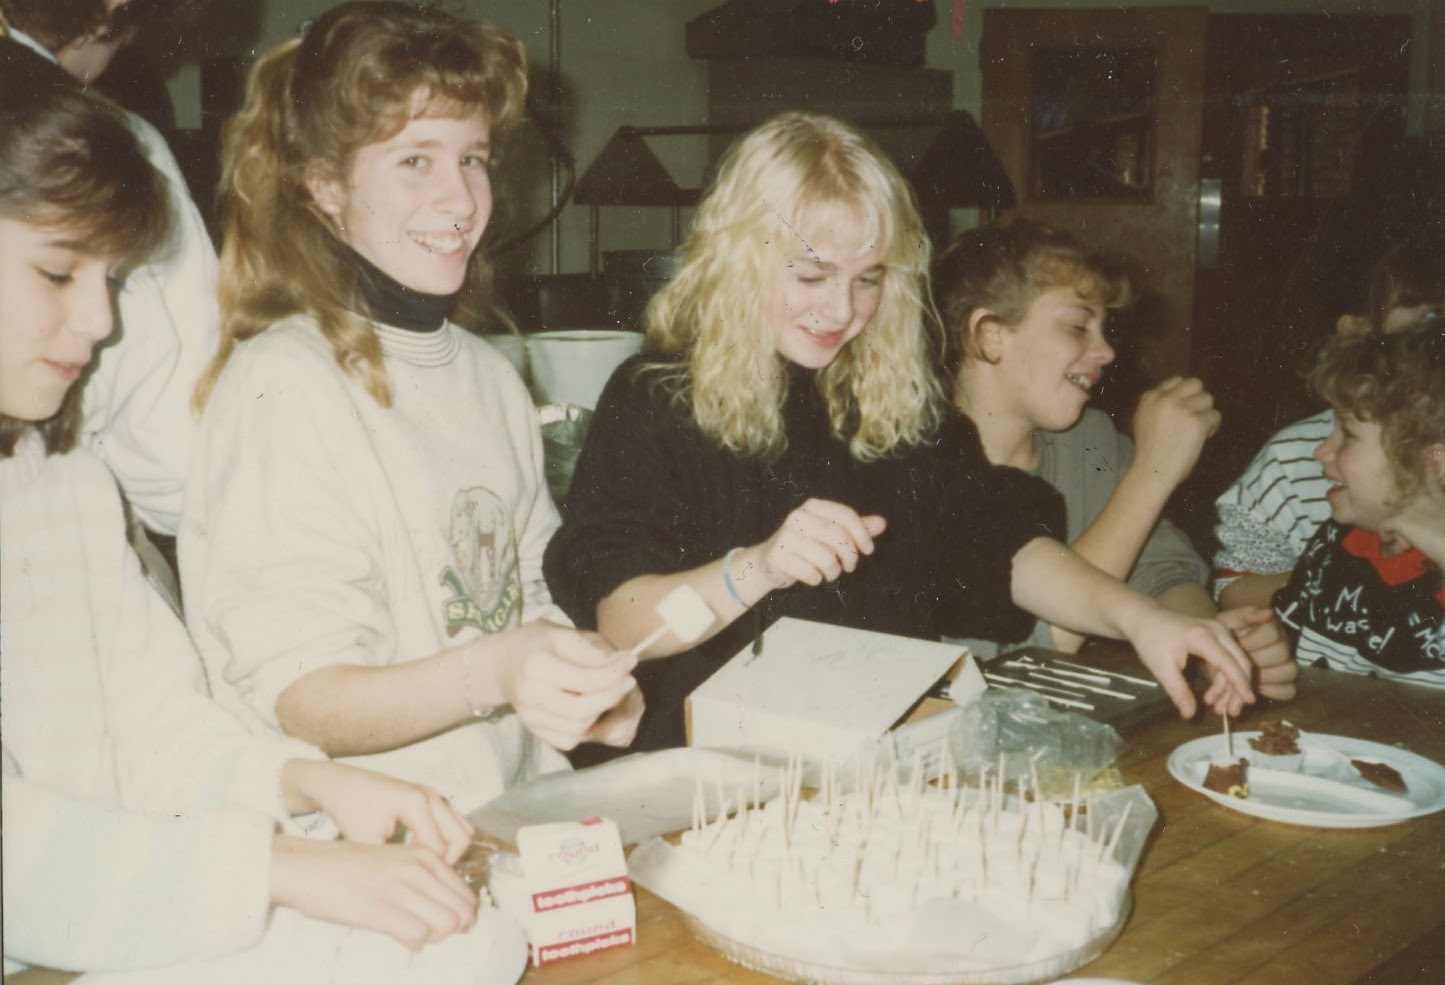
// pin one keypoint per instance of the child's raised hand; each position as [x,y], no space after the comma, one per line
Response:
[1259,633]
[405,891]
[564,684]
[1173,421]
[368,807]
[817,543]
[1165,640]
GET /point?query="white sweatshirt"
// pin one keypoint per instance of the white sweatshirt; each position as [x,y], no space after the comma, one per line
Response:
[322,529]
[128,795]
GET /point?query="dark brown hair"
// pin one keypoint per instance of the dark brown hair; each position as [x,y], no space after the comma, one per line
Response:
[56,23]
[68,160]
[1004,266]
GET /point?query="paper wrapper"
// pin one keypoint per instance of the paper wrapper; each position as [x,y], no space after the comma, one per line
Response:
[951,941]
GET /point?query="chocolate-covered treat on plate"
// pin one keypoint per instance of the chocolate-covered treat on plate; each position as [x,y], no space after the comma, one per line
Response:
[1381,775]
[1231,779]
[1276,747]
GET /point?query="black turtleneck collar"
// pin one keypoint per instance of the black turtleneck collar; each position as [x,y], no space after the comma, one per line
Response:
[393,303]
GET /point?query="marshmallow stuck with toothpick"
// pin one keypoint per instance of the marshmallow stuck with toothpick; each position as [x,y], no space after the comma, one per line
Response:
[684,614]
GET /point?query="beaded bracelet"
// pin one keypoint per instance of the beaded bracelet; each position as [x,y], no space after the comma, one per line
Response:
[728,577]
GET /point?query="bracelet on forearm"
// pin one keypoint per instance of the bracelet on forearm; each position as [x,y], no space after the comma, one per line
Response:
[728,577]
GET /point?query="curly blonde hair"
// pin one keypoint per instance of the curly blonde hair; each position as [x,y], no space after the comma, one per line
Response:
[882,389]
[1397,380]
[1003,267]
[353,79]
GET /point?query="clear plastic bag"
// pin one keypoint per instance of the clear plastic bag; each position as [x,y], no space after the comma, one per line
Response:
[1023,732]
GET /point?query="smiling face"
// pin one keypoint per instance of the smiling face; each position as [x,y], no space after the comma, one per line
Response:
[1365,491]
[57,308]
[1050,361]
[829,288]
[416,204]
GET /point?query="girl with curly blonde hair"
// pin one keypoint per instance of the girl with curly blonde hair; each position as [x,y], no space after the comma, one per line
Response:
[1367,595]
[362,542]
[783,445]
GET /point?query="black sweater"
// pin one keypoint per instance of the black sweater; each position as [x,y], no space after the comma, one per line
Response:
[652,494]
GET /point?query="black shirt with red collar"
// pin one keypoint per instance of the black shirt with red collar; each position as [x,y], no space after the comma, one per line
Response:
[1355,609]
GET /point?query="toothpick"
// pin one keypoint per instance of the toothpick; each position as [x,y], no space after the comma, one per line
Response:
[1228,738]
[648,640]
[1074,807]
[699,801]
[1059,679]
[1111,673]
[1118,831]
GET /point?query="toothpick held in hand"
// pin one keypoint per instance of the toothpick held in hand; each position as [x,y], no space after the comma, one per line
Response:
[1228,739]
[684,614]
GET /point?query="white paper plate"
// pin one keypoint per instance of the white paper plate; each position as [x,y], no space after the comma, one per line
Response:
[1327,792]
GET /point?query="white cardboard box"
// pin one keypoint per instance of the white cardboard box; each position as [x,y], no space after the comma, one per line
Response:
[822,691]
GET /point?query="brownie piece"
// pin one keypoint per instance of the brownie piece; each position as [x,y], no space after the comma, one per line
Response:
[1231,779]
[1276,738]
[1382,776]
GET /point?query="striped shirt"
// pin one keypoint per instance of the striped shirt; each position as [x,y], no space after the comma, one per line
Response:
[1271,511]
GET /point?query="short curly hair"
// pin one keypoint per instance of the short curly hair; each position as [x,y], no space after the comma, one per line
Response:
[1004,266]
[1396,380]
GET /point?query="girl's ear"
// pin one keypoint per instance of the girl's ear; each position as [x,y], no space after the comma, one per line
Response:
[987,331]
[325,188]
[1435,462]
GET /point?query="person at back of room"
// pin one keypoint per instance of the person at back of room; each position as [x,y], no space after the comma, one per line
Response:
[1025,307]
[363,532]
[781,446]
[145,831]
[1271,511]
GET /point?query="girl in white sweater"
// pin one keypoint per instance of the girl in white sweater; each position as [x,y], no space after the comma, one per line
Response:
[140,821]
[362,537]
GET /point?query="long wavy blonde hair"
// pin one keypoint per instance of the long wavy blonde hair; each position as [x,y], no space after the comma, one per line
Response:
[354,78]
[882,389]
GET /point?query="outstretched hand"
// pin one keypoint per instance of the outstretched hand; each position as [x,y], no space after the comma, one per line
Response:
[368,807]
[1165,640]
[817,543]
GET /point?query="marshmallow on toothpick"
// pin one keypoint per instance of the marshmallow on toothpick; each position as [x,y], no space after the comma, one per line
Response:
[684,614]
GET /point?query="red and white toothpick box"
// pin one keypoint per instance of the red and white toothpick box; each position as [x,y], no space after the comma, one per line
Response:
[578,889]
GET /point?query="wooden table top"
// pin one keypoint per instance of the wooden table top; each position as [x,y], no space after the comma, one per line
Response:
[1220,897]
